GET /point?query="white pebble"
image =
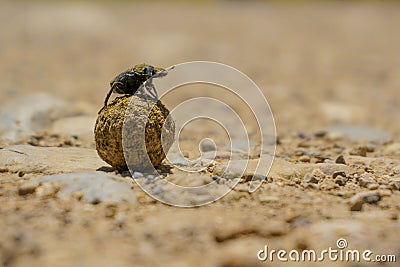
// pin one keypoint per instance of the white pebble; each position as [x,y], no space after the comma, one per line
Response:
[137,175]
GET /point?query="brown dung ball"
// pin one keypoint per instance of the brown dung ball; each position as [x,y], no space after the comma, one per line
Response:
[127,117]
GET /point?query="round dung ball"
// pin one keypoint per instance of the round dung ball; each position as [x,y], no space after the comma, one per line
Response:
[123,124]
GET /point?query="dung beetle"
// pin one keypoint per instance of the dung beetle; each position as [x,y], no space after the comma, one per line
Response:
[129,81]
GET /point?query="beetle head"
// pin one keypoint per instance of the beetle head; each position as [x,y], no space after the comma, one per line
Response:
[149,71]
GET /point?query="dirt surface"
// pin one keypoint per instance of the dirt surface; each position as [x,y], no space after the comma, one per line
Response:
[331,74]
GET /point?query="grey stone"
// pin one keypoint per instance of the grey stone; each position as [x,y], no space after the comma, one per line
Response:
[179,161]
[137,175]
[94,187]
[361,133]
[48,160]
[358,200]
[79,126]
[24,116]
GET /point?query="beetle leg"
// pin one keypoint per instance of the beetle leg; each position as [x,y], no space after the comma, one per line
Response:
[107,98]
[151,89]
[140,91]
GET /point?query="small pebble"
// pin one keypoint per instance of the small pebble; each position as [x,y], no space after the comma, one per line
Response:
[385,193]
[373,186]
[394,184]
[340,160]
[382,186]
[343,193]
[369,170]
[318,174]
[340,180]
[366,179]
[28,188]
[370,147]
[268,199]
[396,170]
[216,178]
[314,154]
[309,185]
[303,136]
[78,195]
[304,158]
[179,161]
[304,144]
[309,178]
[320,133]
[300,222]
[110,211]
[329,161]
[394,216]
[157,190]
[337,173]
[359,151]
[357,201]
[47,189]
[300,151]
[137,175]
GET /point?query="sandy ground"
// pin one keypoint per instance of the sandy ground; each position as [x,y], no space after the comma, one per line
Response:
[331,74]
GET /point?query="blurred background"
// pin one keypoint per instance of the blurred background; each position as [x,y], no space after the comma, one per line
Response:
[318,63]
